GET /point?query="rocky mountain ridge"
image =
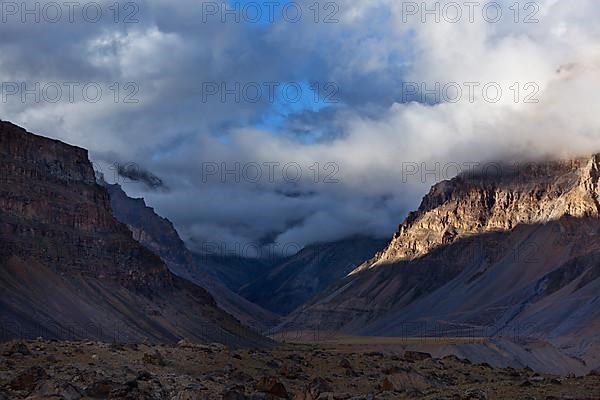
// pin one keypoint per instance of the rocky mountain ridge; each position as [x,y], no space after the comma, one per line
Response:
[511,254]
[159,235]
[48,192]
[477,203]
[69,269]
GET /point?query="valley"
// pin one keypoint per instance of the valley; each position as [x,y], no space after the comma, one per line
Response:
[488,290]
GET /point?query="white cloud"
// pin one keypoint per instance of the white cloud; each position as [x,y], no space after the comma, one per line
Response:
[369,53]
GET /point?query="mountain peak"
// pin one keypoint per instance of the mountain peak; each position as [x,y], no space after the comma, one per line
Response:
[495,200]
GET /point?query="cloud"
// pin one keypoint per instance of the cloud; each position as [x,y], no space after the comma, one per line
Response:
[364,160]
[135,173]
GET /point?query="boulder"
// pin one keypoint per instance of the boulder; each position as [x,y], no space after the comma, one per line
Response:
[272,386]
[28,379]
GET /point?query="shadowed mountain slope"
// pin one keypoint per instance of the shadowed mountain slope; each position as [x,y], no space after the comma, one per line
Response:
[513,254]
[159,235]
[69,269]
[300,277]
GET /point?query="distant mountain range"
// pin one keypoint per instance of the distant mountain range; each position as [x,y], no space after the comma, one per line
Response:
[298,278]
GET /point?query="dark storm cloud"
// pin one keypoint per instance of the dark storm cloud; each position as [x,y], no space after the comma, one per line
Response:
[136,173]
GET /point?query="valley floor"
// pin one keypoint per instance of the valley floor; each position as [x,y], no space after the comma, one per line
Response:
[80,370]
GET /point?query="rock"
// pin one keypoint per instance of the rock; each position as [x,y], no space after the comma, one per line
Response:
[410,382]
[154,358]
[186,344]
[416,356]
[18,348]
[64,390]
[291,371]
[150,389]
[228,369]
[475,394]
[261,396]
[51,359]
[114,347]
[70,392]
[513,373]
[28,379]
[235,393]
[320,385]
[475,378]
[394,369]
[240,376]
[144,376]
[451,358]
[344,363]
[187,394]
[314,390]
[126,391]
[272,386]
[100,389]
[218,347]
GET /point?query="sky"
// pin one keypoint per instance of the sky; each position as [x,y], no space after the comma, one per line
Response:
[262,126]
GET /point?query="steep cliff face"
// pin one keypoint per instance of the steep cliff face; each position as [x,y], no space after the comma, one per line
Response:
[53,211]
[497,202]
[515,253]
[68,268]
[159,235]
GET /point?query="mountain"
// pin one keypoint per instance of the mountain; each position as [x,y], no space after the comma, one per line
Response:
[159,235]
[235,271]
[69,269]
[298,278]
[509,254]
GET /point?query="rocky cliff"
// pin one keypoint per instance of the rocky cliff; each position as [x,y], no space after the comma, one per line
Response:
[494,202]
[69,269]
[512,253]
[53,211]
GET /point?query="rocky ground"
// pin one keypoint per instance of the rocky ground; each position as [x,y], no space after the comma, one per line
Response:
[44,369]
